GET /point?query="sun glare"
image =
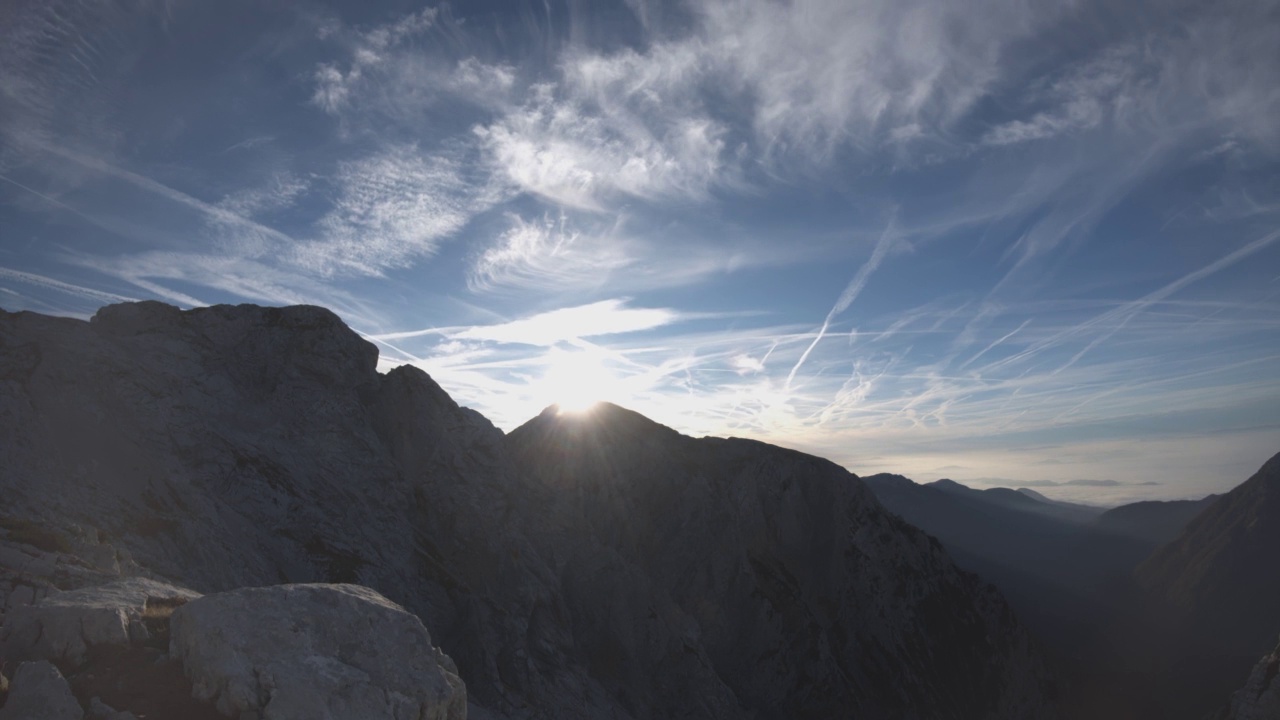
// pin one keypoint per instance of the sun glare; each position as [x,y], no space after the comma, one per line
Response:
[576,381]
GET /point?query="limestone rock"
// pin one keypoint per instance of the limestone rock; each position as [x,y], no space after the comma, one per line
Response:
[1259,699]
[65,625]
[314,652]
[39,692]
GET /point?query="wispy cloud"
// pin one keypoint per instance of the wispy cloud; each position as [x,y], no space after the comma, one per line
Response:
[334,83]
[63,287]
[607,317]
[546,255]
[553,148]
[392,208]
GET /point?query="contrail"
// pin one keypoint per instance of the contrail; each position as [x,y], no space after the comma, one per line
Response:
[851,291]
[50,283]
[49,199]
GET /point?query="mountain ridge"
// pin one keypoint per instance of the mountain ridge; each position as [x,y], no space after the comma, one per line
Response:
[233,446]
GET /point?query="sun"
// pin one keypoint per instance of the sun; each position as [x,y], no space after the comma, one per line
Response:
[577,381]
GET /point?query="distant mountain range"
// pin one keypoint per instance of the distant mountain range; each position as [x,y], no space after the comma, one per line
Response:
[1157,609]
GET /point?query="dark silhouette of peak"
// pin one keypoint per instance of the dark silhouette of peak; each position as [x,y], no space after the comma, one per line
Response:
[1154,521]
[889,480]
[947,485]
[1010,496]
[604,419]
[1035,495]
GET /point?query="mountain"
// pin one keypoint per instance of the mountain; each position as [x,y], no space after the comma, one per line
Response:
[1044,554]
[1067,570]
[1022,500]
[1214,571]
[1215,588]
[809,599]
[582,566]
[1153,522]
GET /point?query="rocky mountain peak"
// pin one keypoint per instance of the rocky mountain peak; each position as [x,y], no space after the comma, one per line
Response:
[603,421]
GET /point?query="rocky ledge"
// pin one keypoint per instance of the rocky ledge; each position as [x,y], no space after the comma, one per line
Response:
[138,648]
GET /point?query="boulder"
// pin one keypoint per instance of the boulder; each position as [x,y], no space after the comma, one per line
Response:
[65,625]
[314,652]
[39,692]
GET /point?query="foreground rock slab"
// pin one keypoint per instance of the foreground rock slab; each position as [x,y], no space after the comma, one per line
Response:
[314,652]
[39,692]
[64,626]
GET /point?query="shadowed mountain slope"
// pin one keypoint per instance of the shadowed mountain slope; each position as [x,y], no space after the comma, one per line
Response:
[808,599]
[588,567]
[1215,589]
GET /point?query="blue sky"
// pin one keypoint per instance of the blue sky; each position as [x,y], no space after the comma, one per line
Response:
[1004,241]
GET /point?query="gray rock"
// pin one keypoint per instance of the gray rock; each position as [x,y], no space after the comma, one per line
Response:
[64,626]
[1259,699]
[102,557]
[39,692]
[99,710]
[314,652]
[21,596]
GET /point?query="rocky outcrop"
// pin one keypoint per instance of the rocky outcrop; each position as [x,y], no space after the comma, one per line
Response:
[66,625]
[287,652]
[1259,699]
[39,692]
[243,446]
[314,652]
[227,447]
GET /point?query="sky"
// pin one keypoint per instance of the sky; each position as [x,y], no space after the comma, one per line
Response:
[1009,242]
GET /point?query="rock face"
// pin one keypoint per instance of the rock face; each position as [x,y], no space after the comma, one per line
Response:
[650,575]
[66,625]
[1259,699]
[39,692]
[314,652]
[1214,592]
[769,578]
[1211,574]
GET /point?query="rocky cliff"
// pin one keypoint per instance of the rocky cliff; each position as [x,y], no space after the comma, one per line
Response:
[1259,699]
[578,568]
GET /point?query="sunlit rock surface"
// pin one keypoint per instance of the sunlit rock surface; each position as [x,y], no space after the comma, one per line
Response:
[630,572]
[314,652]
[66,625]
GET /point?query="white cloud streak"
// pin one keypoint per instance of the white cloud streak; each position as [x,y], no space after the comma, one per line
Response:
[607,317]
[49,283]
[883,245]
